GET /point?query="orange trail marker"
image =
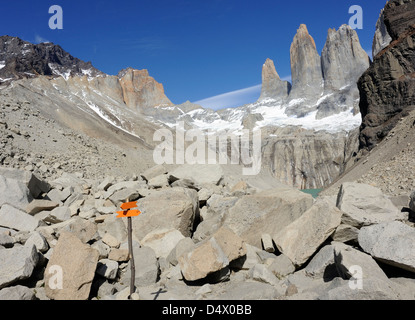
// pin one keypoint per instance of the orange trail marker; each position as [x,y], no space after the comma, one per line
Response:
[129,205]
[128,213]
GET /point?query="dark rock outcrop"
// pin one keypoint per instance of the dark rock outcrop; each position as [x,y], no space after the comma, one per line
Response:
[382,38]
[399,15]
[22,59]
[387,88]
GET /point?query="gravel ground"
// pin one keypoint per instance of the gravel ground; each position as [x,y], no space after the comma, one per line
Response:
[390,166]
[30,141]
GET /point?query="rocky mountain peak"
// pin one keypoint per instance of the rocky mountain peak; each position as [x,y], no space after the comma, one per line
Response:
[342,60]
[272,86]
[140,90]
[22,59]
[307,79]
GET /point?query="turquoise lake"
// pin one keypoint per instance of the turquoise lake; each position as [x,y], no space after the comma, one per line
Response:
[313,192]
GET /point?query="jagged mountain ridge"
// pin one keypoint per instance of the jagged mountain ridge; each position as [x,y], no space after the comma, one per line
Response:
[22,59]
[134,103]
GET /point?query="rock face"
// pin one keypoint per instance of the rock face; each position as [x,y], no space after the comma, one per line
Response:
[382,38]
[387,88]
[23,59]
[272,86]
[398,16]
[343,60]
[307,159]
[140,91]
[307,79]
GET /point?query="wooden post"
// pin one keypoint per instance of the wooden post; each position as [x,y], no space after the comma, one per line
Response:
[131,254]
[127,212]
[130,249]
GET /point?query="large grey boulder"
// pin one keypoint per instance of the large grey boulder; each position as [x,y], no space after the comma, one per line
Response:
[16,219]
[268,211]
[372,289]
[14,192]
[390,242]
[71,269]
[232,245]
[281,266]
[364,205]
[345,233]
[181,248]
[412,202]
[162,241]
[17,264]
[146,267]
[39,205]
[107,268]
[301,239]
[85,230]
[250,290]
[321,265]
[200,173]
[154,172]
[17,293]
[119,191]
[350,261]
[38,241]
[206,258]
[167,208]
[212,255]
[36,185]
[115,227]
[261,273]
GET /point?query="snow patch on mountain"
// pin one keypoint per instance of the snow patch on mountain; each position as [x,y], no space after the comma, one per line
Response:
[273,114]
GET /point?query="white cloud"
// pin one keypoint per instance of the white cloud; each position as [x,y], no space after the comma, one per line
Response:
[232,99]
[39,39]
[235,98]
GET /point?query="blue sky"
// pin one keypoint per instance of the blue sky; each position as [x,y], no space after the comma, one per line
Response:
[198,49]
